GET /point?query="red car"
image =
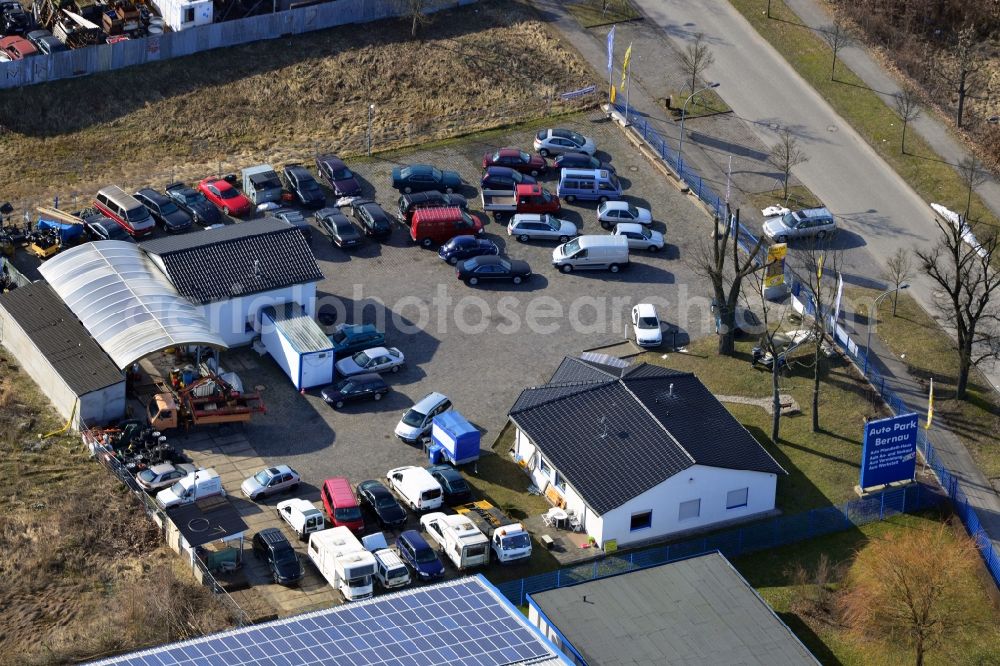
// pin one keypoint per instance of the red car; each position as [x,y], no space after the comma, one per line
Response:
[17,48]
[225,196]
[516,159]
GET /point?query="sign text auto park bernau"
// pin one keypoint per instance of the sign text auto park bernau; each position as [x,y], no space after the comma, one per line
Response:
[889,453]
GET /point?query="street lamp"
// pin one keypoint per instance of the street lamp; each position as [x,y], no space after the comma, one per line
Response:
[871,319]
[680,144]
[371,110]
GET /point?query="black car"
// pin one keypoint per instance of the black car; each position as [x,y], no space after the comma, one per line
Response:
[581,161]
[408,203]
[14,20]
[373,220]
[387,510]
[338,228]
[466,247]
[456,489]
[194,202]
[163,209]
[367,386]
[305,188]
[271,546]
[46,42]
[98,228]
[423,178]
[504,178]
[336,174]
[480,269]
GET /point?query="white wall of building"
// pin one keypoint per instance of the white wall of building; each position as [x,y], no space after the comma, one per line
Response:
[234,319]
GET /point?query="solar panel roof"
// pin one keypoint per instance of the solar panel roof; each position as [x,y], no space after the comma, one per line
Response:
[464,622]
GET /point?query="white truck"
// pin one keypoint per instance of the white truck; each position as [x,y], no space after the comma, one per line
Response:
[508,539]
[343,561]
[302,516]
[195,486]
[390,571]
[458,538]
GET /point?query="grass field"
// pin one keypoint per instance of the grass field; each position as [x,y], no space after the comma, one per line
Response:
[593,13]
[486,65]
[799,196]
[932,178]
[774,574]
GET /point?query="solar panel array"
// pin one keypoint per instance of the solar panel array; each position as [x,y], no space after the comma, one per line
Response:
[461,623]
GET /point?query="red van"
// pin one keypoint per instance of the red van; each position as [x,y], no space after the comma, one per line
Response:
[341,506]
[432,226]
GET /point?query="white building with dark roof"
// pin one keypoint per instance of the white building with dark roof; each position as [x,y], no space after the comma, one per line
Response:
[639,452]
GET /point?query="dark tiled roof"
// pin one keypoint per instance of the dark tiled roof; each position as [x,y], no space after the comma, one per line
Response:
[237,260]
[625,430]
[60,336]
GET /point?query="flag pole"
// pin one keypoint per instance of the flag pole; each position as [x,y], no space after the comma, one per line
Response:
[628,86]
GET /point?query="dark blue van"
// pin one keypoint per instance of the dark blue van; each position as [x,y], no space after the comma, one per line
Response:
[417,553]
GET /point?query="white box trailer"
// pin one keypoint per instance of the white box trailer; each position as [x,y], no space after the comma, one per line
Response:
[182,14]
[297,344]
[343,562]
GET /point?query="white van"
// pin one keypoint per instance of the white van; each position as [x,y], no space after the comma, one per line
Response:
[302,516]
[194,486]
[592,252]
[416,487]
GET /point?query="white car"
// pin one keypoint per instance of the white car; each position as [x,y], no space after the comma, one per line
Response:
[639,237]
[417,420]
[611,213]
[269,481]
[376,359]
[646,326]
[557,141]
[532,226]
[814,222]
[159,477]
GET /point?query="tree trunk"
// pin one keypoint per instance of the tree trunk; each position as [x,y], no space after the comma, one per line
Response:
[904,152]
[964,366]
[961,98]
[895,299]
[815,414]
[833,68]
[415,24]
[776,399]
[727,330]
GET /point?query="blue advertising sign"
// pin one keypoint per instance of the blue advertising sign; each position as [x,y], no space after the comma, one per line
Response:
[889,453]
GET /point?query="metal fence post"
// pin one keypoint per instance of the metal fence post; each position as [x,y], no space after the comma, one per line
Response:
[881,508]
[522,593]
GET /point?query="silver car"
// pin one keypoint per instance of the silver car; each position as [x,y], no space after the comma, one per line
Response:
[557,141]
[639,237]
[531,226]
[812,223]
[269,481]
[611,213]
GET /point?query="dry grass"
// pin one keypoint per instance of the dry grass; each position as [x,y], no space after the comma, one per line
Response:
[85,571]
[487,65]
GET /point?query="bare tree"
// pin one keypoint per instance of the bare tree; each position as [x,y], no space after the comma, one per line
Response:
[963,76]
[907,105]
[968,284]
[973,176]
[785,156]
[721,262]
[821,267]
[837,37]
[416,10]
[695,59]
[771,346]
[897,272]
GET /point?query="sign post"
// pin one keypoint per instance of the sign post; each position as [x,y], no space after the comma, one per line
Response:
[889,453]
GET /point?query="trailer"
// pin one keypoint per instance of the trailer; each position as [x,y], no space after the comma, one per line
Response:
[297,344]
[183,14]
[453,439]
[261,184]
[508,539]
[459,538]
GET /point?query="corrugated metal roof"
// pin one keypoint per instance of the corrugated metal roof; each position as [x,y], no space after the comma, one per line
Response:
[125,302]
[299,329]
[61,338]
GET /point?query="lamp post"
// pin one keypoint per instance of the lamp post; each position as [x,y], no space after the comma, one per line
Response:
[871,319]
[680,144]
[371,110]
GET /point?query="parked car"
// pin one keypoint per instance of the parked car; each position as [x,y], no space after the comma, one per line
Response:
[417,553]
[373,220]
[503,178]
[610,213]
[336,174]
[348,339]
[493,269]
[555,141]
[283,562]
[460,248]
[226,197]
[410,203]
[270,481]
[416,487]
[13,19]
[100,227]
[423,177]
[516,159]
[164,210]
[46,42]
[17,48]
[341,505]
[814,222]
[380,500]
[302,516]
[296,219]
[338,228]
[639,237]
[430,226]
[376,359]
[367,386]
[646,325]
[158,477]
[194,202]
[302,184]
[417,420]
[581,161]
[531,226]
[456,488]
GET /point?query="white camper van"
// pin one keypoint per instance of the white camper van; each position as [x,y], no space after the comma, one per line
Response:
[343,561]
[459,538]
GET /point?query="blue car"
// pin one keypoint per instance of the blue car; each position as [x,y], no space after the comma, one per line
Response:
[348,339]
[417,553]
[461,248]
[423,178]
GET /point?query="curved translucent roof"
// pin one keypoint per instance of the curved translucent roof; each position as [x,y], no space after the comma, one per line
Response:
[126,302]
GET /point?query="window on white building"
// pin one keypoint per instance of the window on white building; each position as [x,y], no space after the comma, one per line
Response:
[544,467]
[690,509]
[736,498]
[560,482]
[641,521]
